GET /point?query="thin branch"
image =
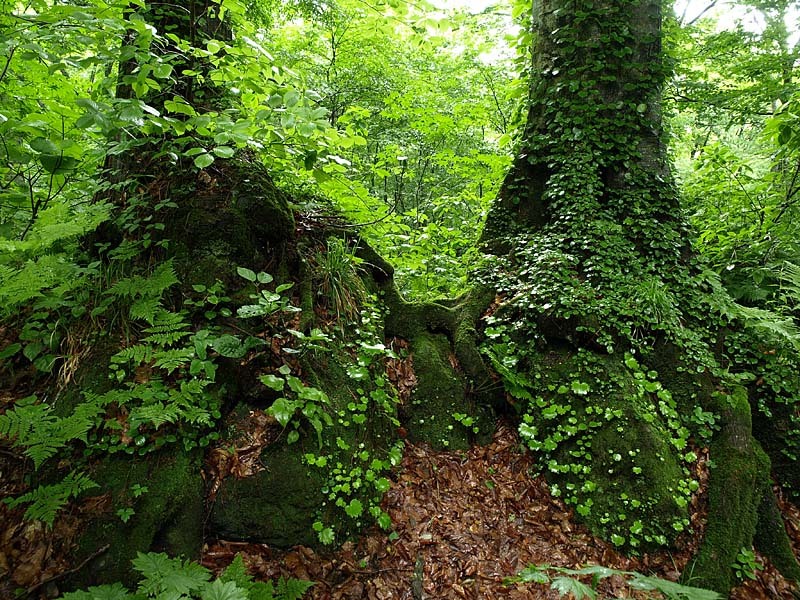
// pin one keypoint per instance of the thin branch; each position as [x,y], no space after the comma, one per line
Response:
[64,574]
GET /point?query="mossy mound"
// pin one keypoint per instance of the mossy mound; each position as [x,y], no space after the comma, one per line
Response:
[276,506]
[332,481]
[612,444]
[234,218]
[439,412]
[166,516]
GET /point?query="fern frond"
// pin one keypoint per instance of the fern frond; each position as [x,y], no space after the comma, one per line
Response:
[33,425]
[173,359]
[145,309]
[135,355]
[770,322]
[790,281]
[46,500]
[155,415]
[153,286]
[168,328]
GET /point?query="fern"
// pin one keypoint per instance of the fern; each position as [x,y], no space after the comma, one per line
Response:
[173,359]
[33,425]
[46,500]
[790,282]
[165,578]
[135,355]
[167,328]
[153,414]
[145,293]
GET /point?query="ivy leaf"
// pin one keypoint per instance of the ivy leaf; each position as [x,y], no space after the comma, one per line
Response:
[580,388]
[354,509]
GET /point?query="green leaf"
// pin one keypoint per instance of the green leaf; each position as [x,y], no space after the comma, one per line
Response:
[10,350]
[115,591]
[293,589]
[58,164]
[237,573]
[229,346]
[220,590]
[203,160]
[246,273]
[273,382]
[169,576]
[580,388]
[224,151]
[283,410]
[44,146]
[354,509]
[568,585]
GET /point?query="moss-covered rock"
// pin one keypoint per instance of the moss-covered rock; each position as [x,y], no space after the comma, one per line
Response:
[219,225]
[609,437]
[315,478]
[167,517]
[277,506]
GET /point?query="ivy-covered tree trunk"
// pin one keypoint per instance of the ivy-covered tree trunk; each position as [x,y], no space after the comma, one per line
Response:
[606,331]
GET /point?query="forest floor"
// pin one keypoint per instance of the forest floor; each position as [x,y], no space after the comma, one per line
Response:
[466,521]
[463,523]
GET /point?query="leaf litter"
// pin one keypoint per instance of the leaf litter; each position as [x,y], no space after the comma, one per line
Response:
[464,522]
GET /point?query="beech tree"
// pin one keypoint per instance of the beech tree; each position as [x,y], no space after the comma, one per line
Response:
[607,330]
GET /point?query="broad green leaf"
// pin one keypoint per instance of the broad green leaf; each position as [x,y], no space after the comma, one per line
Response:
[203,160]
[246,273]
[283,410]
[219,590]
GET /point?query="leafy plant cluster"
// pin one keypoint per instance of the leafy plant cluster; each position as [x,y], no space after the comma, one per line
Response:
[356,475]
[164,578]
[568,581]
[564,412]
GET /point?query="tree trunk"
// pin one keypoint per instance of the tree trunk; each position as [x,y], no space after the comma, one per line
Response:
[605,333]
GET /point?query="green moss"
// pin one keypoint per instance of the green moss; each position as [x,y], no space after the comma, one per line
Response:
[441,392]
[277,506]
[610,442]
[737,484]
[771,538]
[167,518]
[280,505]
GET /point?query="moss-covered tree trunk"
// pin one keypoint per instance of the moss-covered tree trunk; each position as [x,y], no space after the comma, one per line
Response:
[605,331]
